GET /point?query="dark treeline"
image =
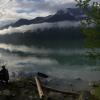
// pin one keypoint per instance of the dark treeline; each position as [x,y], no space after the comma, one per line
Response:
[43,36]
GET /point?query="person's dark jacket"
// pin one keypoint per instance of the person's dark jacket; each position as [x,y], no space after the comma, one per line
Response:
[4,75]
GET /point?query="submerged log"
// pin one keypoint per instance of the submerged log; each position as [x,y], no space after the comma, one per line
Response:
[61,91]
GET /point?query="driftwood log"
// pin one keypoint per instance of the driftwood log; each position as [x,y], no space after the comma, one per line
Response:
[39,87]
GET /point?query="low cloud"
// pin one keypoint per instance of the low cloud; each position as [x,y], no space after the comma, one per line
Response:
[34,27]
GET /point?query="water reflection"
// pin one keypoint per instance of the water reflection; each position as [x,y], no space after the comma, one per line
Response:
[32,49]
[56,62]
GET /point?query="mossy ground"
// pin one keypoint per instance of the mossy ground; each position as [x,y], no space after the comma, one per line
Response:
[96,92]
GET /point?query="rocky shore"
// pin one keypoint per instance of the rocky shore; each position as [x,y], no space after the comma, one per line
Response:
[25,89]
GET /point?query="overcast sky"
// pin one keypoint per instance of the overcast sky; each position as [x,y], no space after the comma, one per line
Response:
[15,9]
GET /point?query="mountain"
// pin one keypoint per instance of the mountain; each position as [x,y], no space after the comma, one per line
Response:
[28,22]
[69,14]
[46,35]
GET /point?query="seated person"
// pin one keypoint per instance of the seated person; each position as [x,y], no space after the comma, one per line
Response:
[4,75]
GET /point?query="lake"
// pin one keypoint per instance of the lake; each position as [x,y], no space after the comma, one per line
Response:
[61,59]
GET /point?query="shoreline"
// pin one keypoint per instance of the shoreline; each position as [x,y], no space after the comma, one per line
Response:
[24,88]
[71,84]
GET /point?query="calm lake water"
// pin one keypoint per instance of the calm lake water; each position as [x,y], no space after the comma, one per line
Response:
[61,59]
